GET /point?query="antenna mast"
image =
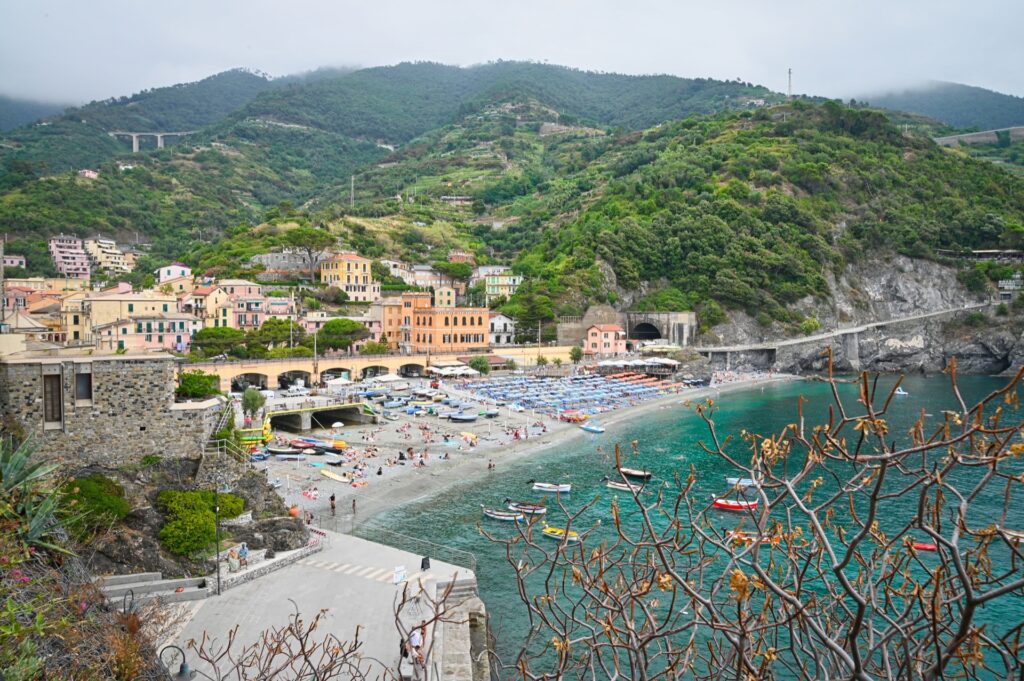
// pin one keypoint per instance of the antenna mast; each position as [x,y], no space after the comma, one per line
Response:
[791,83]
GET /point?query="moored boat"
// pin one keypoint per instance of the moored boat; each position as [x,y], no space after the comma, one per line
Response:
[560,533]
[636,473]
[925,546]
[747,538]
[555,488]
[592,428]
[527,507]
[733,504]
[1014,535]
[500,514]
[740,482]
[901,391]
[622,486]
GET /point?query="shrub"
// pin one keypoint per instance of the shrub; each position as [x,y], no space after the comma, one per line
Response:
[150,460]
[1002,310]
[974,319]
[197,384]
[99,499]
[810,325]
[191,523]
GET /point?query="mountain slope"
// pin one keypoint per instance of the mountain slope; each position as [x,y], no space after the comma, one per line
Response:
[16,112]
[962,106]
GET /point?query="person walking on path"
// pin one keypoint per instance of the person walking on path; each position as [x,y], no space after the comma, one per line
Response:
[334,503]
[353,507]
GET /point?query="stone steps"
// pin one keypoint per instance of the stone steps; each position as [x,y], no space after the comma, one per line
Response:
[149,585]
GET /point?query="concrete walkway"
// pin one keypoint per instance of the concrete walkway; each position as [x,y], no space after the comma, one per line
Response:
[352,578]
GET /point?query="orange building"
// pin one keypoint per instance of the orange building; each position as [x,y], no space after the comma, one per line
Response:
[605,339]
[414,325]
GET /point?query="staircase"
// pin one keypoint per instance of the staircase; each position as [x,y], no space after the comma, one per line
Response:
[144,586]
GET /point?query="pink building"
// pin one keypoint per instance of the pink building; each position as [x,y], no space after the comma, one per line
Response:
[69,257]
[167,331]
[605,339]
[11,260]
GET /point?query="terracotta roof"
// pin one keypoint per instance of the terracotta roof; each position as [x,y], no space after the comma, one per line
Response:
[204,290]
[606,327]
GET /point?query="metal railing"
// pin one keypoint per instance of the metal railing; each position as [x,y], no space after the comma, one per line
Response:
[419,546]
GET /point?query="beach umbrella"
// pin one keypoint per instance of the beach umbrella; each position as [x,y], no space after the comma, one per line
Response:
[337,424]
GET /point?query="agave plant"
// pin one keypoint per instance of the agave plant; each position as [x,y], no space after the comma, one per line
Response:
[16,473]
[32,507]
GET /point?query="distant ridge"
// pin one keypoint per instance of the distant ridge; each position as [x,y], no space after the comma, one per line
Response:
[16,112]
[961,106]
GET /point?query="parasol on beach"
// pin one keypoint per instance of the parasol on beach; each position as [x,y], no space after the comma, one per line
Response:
[337,424]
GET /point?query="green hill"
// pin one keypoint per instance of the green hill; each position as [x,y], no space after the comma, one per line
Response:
[961,106]
[16,112]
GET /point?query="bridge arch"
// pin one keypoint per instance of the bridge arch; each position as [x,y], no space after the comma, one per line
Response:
[335,372]
[412,370]
[374,370]
[646,331]
[242,381]
[287,378]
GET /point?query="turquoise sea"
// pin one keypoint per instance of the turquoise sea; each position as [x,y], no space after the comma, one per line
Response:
[668,444]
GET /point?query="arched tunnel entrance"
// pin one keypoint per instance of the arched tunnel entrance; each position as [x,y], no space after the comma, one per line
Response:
[645,331]
[411,370]
[242,381]
[288,378]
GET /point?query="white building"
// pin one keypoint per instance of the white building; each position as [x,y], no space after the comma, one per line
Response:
[502,330]
[172,272]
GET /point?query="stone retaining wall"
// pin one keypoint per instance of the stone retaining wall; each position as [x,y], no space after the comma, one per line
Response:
[265,567]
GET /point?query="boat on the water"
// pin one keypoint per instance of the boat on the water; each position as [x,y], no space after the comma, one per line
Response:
[553,487]
[636,473]
[591,427]
[622,486]
[527,507]
[733,504]
[925,546]
[462,417]
[501,514]
[740,482]
[1014,535]
[901,391]
[560,533]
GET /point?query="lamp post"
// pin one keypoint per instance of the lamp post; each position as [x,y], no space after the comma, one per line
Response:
[184,672]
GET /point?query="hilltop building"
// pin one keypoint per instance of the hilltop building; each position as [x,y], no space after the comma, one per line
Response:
[69,257]
[11,260]
[458,255]
[105,255]
[502,285]
[502,330]
[173,271]
[353,274]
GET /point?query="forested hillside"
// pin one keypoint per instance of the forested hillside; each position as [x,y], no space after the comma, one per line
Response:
[16,112]
[961,106]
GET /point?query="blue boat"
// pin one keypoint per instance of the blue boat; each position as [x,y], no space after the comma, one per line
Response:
[592,427]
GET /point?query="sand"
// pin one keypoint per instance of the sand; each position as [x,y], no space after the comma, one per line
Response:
[401,484]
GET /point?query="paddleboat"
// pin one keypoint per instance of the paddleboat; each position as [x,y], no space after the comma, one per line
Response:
[740,482]
[901,391]
[592,428]
[733,504]
[499,514]
[560,533]
[555,488]
[636,473]
[622,486]
[527,507]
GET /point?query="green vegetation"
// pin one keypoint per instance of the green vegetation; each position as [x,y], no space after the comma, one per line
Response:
[97,500]
[190,524]
[480,364]
[197,385]
[961,106]
[17,112]
[340,334]
[252,401]
[576,354]
[374,348]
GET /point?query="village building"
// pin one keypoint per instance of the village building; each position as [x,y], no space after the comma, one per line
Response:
[458,255]
[444,296]
[173,271]
[69,258]
[412,324]
[11,260]
[502,285]
[148,332]
[605,340]
[401,270]
[502,330]
[353,274]
[105,255]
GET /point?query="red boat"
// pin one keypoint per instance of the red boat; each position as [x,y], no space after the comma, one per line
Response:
[922,546]
[733,504]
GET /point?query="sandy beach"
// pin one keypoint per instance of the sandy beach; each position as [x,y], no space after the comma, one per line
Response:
[400,484]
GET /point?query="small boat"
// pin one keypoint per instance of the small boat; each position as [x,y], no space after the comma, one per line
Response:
[527,507]
[500,514]
[333,460]
[462,417]
[290,457]
[276,483]
[301,443]
[390,416]
[560,533]
[740,482]
[901,391]
[924,546]
[313,451]
[636,473]
[1014,535]
[491,414]
[592,428]
[556,488]
[259,456]
[275,450]
[394,404]
[733,504]
[622,486]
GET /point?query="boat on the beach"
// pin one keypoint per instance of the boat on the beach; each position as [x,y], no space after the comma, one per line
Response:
[592,427]
[500,514]
[733,504]
[275,450]
[560,533]
[491,413]
[462,417]
[901,391]
[622,486]
[333,460]
[556,488]
[290,457]
[390,416]
[259,456]
[527,507]
[394,404]
[636,473]
[740,482]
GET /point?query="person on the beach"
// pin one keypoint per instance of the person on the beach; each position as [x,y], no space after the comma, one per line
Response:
[334,503]
[353,506]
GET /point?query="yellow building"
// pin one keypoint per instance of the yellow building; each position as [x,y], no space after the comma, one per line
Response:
[211,304]
[444,297]
[501,285]
[353,274]
[81,313]
[48,283]
[105,255]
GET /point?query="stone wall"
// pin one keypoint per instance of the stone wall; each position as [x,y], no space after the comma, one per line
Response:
[131,412]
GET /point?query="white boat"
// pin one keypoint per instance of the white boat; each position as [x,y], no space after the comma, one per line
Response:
[636,473]
[901,391]
[556,488]
[740,482]
[527,507]
[592,428]
[500,514]
[622,486]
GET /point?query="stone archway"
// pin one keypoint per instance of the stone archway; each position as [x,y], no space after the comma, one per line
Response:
[646,331]
[412,370]
[288,378]
[242,381]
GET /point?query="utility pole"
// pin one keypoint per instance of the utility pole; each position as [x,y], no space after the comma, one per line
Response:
[3,291]
[352,191]
[791,83]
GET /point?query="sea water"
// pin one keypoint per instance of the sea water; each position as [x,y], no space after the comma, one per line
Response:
[668,442]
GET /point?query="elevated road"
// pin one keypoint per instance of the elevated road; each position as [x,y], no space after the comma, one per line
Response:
[981,137]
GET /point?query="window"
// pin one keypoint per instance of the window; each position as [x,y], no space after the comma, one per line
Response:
[75,320]
[53,406]
[83,383]
[75,336]
[165,307]
[159,339]
[131,307]
[120,345]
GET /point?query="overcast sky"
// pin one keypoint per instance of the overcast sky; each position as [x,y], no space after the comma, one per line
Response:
[75,51]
